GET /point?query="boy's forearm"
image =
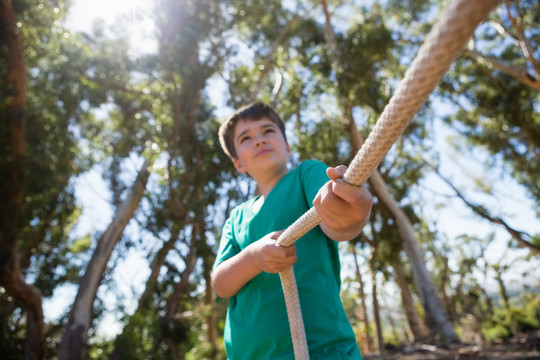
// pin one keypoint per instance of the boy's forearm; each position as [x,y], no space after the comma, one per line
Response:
[231,275]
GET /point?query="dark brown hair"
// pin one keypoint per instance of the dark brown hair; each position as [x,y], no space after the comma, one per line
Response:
[252,112]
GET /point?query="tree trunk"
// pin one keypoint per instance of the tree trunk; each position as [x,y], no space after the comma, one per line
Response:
[376,309]
[15,286]
[146,297]
[505,299]
[448,302]
[417,329]
[12,192]
[502,289]
[368,347]
[180,288]
[155,268]
[74,340]
[209,298]
[436,315]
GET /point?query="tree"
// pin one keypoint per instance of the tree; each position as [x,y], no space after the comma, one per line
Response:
[74,341]
[362,296]
[12,191]
[41,154]
[495,87]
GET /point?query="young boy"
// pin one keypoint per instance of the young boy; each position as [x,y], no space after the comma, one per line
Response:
[249,258]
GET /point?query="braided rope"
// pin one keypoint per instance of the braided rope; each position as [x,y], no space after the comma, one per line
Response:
[441,47]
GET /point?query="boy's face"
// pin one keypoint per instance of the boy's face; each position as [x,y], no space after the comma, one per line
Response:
[260,148]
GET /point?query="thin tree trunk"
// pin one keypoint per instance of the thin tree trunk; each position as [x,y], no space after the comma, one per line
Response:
[417,328]
[74,340]
[155,268]
[502,288]
[11,277]
[448,302]
[180,288]
[209,297]
[146,297]
[375,299]
[363,308]
[505,299]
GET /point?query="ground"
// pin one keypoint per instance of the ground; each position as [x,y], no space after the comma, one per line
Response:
[521,347]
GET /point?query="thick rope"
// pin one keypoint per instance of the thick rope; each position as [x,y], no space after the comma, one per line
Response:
[441,47]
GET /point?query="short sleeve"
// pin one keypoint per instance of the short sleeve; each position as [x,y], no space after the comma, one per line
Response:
[313,178]
[227,245]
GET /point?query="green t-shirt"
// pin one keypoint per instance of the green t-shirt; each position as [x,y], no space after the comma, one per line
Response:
[257,326]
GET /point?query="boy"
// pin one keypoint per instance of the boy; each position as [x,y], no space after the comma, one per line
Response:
[249,258]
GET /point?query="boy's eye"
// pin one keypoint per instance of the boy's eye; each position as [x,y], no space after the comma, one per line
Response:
[269,130]
[244,138]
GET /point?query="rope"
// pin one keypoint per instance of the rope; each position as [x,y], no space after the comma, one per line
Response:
[441,47]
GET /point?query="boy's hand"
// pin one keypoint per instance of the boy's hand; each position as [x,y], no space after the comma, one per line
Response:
[270,257]
[233,274]
[344,208]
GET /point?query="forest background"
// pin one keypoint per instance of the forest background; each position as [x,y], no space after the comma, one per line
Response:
[114,187]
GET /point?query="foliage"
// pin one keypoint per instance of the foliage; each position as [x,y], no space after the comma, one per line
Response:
[495,110]
[139,337]
[518,319]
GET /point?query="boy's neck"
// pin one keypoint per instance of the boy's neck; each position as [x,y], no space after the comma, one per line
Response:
[267,184]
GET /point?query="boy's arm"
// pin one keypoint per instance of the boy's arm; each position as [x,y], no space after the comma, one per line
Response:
[231,275]
[344,208]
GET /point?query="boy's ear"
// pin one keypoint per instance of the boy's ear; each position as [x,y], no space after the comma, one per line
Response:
[239,166]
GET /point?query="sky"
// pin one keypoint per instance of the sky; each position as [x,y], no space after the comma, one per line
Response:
[449,215]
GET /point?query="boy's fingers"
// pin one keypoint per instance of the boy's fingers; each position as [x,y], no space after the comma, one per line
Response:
[337,172]
[290,250]
[343,189]
[352,194]
[275,235]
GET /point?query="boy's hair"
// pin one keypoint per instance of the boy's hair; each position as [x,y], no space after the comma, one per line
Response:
[251,112]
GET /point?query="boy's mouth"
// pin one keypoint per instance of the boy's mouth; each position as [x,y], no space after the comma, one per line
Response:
[262,152]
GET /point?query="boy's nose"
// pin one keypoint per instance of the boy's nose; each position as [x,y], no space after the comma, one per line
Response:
[260,141]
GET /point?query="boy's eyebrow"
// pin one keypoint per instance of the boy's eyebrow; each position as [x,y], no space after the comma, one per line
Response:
[242,134]
[248,130]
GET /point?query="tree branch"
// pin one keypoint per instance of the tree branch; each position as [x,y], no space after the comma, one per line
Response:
[494,63]
[504,32]
[482,212]
[523,41]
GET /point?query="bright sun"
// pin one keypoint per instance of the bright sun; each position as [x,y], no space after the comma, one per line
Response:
[83,13]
